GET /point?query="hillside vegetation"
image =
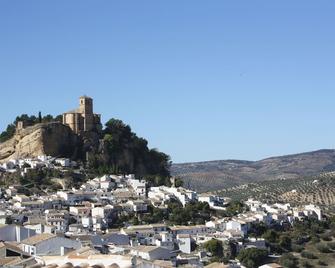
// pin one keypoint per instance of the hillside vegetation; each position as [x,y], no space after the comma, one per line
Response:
[116,149]
[318,190]
[212,175]
[124,152]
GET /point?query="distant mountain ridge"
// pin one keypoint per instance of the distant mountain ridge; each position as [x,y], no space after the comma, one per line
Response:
[218,174]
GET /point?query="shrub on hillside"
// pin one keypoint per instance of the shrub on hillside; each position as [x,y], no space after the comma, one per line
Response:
[326,237]
[315,239]
[288,260]
[331,245]
[215,247]
[285,242]
[322,263]
[323,248]
[306,264]
[308,255]
[271,236]
[297,248]
[252,257]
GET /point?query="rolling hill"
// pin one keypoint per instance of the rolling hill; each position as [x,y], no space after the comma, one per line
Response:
[214,175]
[318,190]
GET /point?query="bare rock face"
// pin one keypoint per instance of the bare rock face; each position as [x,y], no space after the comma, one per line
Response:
[53,139]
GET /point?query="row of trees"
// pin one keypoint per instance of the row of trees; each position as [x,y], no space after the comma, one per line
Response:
[249,257]
[175,214]
[28,121]
[193,213]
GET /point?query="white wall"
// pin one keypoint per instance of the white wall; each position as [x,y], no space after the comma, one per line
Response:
[53,246]
[15,233]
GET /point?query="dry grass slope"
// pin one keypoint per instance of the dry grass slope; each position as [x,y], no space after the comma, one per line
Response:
[213,175]
[317,189]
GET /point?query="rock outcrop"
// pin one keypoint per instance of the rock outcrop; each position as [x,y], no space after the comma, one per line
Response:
[53,139]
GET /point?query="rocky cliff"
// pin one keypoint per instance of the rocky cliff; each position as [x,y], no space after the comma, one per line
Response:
[53,139]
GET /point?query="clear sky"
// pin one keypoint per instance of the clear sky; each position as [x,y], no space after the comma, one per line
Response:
[201,80]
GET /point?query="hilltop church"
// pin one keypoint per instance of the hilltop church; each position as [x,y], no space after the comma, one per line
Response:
[82,119]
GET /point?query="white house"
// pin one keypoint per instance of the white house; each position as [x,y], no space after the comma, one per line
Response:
[15,233]
[48,244]
[21,198]
[80,210]
[151,253]
[311,210]
[184,243]
[213,201]
[138,205]
[64,162]
[165,240]
[103,212]
[236,225]
[254,205]
[59,219]
[41,228]
[159,196]
[87,222]
[138,186]
[11,191]
[219,225]
[74,197]
[191,230]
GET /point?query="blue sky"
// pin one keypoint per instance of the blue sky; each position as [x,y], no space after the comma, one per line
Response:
[201,80]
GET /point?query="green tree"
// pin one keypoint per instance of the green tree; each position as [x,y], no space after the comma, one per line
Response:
[179,182]
[258,229]
[192,213]
[125,152]
[285,242]
[271,236]
[48,118]
[28,121]
[8,220]
[308,255]
[252,257]
[234,208]
[288,261]
[8,133]
[214,247]
[306,264]
[59,118]
[323,248]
